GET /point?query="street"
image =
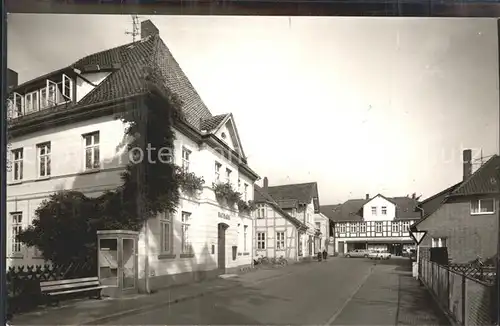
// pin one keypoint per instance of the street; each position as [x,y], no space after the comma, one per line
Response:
[340,291]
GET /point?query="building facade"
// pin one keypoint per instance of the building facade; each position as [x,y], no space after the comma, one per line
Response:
[322,225]
[464,217]
[276,231]
[373,223]
[64,135]
[301,202]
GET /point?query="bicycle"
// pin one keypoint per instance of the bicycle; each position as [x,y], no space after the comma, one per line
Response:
[282,261]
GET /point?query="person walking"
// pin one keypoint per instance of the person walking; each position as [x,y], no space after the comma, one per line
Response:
[319,256]
[325,254]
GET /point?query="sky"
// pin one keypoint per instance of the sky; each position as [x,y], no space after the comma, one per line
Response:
[359,105]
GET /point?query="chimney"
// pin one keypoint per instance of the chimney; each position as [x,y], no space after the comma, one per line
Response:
[266,184]
[413,195]
[467,162]
[148,28]
[367,196]
[12,79]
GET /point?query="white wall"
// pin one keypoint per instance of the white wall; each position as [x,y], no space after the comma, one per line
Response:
[378,202]
[83,87]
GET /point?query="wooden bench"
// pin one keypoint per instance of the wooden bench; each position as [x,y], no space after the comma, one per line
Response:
[53,290]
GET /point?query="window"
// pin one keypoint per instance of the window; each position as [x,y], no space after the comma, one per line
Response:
[318,225]
[166,232]
[261,240]
[67,88]
[438,242]
[186,241]
[31,103]
[384,210]
[17,227]
[17,171]
[245,191]
[261,213]
[18,105]
[245,234]
[482,206]
[342,227]
[228,175]
[374,210]
[378,226]
[186,153]
[239,185]
[280,240]
[406,226]
[43,98]
[52,93]
[92,160]
[362,227]
[352,228]
[43,151]
[395,227]
[217,171]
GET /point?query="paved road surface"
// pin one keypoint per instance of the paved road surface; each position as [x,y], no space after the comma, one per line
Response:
[340,291]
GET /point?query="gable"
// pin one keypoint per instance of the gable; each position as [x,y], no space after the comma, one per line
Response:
[379,200]
[228,133]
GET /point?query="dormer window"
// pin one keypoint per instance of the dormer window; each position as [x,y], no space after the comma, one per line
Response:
[55,92]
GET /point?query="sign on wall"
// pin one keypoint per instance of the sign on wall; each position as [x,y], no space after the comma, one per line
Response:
[224,216]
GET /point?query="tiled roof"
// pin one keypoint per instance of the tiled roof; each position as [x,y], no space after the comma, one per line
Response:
[260,196]
[130,65]
[352,209]
[303,192]
[213,122]
[483,181]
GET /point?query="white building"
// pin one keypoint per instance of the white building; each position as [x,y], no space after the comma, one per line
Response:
[65,136]
[373,223]
[323,226]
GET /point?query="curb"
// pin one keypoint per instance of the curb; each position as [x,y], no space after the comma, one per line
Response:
[153,306]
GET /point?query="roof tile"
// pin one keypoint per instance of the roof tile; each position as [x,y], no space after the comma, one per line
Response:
[483,181]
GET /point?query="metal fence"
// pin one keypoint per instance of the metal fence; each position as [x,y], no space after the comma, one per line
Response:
[467,300]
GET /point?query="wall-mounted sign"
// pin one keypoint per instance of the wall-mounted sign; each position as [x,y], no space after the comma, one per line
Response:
[224,216]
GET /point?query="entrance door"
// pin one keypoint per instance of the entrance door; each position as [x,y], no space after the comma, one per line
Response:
[341,247]
[221,247]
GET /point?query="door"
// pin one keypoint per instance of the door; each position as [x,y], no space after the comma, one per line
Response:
[221,247]
[341,247]
[129,266]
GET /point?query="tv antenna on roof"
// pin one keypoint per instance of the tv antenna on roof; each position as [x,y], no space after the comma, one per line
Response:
[135,27]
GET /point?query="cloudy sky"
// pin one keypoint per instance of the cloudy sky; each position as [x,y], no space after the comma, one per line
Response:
[360,105]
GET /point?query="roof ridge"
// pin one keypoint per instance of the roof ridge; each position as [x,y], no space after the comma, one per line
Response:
[481,168]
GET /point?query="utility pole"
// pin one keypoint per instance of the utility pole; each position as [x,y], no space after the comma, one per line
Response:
[135,28]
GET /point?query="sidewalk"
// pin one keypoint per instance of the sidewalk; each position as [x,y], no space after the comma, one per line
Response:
[87,312]
[390,296]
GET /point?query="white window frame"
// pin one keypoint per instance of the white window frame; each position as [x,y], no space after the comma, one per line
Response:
[16,228]
[261,211]
[384,210]
[93,147]
[245,237]
[395,227]
[374,210]
[377,225]
[44,100]
[51,86]
[67,87]
[342,228]
[187,247]
[478,212]
[166,236]
[245,192]
[280,240]
[18,105]
[17,161]
[352,228]
[239,184]
[186,153]
[439,242]
[261,240]
[32,102]
[406,226]
[362,227]
[45,158]
[218,166]
[228,175]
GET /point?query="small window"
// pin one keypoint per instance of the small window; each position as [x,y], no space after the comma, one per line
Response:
[280,240]
[482,206]
[166,232]
[217,171]
[374,210]
[378,227]
[352,228]
[186,237]
[43,159]
[92,155]
[406,226]
[245,192]
[245,236]
[342,228]
[18,105]
[186,154]
[395,227]
[438,242]
[384,210]
[362,227]
[17,164]
[17,227]
[67,88]
[228,175]
[261,240]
